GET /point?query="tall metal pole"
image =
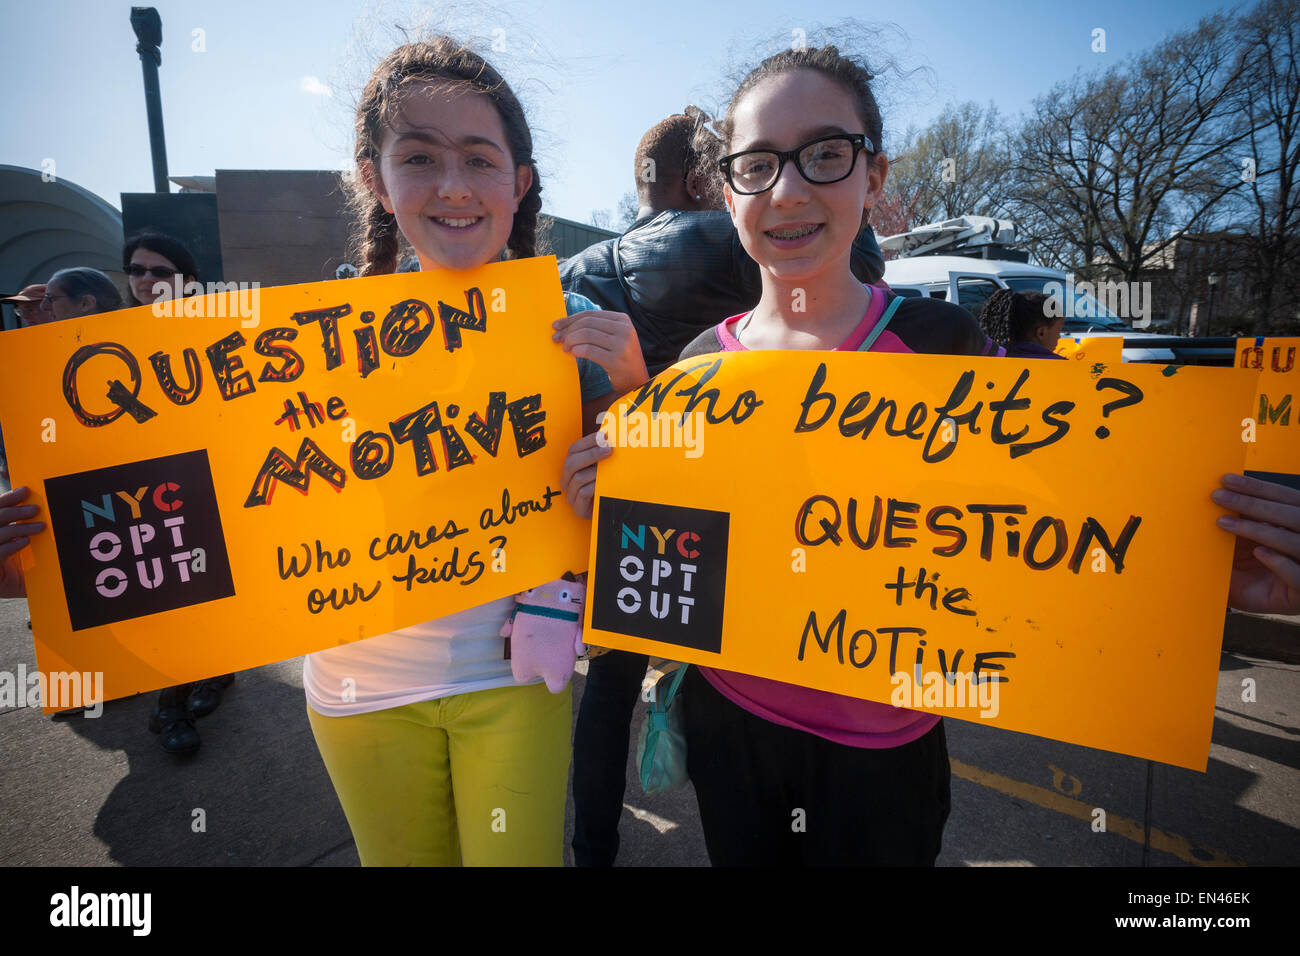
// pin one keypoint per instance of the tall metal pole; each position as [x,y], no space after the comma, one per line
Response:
[148,30]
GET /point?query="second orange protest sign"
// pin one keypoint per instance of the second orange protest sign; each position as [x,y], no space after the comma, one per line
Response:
[1030,544]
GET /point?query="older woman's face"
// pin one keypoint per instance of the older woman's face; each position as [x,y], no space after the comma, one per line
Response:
[146,270]
[58,305]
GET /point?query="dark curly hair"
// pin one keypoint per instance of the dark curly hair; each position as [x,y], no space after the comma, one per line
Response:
[377,240]
[1010,316]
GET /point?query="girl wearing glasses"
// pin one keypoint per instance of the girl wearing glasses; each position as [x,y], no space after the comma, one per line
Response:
[803,168]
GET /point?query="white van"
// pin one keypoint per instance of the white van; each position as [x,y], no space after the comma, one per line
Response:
[966,260]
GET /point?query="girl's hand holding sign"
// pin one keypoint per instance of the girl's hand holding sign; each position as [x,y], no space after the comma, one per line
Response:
[15,534]
[579,475]
[609,340]
[1266,563]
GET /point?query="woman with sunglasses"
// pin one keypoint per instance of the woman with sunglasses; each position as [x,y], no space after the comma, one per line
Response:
[152,262]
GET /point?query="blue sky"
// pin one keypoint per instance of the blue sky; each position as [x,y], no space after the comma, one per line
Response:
[274,84]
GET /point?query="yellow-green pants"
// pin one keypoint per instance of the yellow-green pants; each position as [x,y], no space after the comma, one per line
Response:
[476,779]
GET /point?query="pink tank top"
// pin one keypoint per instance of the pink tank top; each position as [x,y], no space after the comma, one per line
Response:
[843,720]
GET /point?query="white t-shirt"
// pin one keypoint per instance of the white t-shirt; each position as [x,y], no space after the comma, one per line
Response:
[456,654]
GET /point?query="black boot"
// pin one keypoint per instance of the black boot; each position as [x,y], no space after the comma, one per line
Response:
[206,694]
[173,723]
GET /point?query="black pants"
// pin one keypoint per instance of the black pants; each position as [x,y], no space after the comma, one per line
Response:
[600,743]
[773,796]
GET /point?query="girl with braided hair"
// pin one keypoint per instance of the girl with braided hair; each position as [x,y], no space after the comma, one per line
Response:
[437,754]
[1019,322]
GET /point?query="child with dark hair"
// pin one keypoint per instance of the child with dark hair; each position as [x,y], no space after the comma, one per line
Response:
[677,270]
[437,754]
[802,162]
[1021,323]
[803,165]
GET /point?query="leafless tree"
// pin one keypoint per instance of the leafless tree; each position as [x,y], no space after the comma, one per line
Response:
[1268,164]
[627,210]
[956,166]
[1110,169]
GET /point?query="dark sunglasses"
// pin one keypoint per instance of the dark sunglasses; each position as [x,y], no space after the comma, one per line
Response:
[158,272]
[821,161]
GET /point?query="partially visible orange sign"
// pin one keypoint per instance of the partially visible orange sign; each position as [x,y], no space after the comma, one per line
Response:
[1275,411]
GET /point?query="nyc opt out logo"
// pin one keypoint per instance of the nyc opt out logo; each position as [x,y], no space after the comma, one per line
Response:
[661,572]
[137,539]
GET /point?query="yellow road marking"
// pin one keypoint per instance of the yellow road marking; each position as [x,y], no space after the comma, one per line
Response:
[1129,829]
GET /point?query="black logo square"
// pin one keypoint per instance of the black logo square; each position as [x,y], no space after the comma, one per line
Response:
[139,538]
[661,572]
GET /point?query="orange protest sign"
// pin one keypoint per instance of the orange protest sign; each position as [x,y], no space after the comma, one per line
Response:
[1019,542]
[1273,439]
[1108,349]
[344,459]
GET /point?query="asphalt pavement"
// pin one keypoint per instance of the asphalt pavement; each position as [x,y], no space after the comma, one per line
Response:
[81,792]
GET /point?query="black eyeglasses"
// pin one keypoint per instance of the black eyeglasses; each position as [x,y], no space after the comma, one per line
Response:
[52,298]
[820,161]
[158,272]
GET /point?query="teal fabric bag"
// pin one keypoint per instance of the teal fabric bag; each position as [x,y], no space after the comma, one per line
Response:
[661,744]
[883,321]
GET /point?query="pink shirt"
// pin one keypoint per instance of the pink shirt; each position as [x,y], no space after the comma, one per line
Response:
[843,720]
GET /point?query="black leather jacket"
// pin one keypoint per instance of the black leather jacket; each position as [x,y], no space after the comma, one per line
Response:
[681,272]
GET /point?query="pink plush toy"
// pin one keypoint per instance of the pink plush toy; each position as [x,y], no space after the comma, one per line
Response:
[545,633]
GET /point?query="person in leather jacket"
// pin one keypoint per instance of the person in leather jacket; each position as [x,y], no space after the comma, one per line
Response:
[680,268]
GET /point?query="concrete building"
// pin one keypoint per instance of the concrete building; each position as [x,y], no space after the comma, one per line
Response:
[1200,285]
[47,224]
